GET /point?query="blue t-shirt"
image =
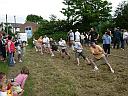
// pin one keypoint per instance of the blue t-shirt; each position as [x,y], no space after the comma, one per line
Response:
[106,39]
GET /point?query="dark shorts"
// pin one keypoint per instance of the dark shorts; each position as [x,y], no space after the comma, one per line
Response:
[54,48]
[78,54]
[63,50]
[102,58]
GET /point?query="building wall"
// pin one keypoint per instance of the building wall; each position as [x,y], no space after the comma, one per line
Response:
[34,26]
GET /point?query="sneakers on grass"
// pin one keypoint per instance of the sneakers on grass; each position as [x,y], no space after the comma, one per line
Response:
[20,61]
[95,69]
[112,70]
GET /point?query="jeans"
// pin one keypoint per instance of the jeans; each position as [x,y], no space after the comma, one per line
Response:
[106,48]
[11,60]
[122,44]
[82,41]
[116,42]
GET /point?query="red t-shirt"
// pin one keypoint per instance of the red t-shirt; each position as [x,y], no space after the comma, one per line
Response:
[10,48]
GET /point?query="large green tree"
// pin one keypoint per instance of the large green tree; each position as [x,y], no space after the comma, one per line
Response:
[86,13]
[121,15]
[34,18]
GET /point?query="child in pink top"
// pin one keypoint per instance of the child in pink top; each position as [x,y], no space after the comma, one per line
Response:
[19,81]
[11,50]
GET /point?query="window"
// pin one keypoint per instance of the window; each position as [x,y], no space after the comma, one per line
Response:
[30,28]
[26,28]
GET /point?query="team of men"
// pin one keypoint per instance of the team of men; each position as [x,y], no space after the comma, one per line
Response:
[76,40]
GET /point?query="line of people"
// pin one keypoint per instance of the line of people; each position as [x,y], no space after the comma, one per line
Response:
[97,52]
[120,38]
[85,38]
[76,42]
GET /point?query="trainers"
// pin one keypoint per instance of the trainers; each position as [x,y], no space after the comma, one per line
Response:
[14,62]
[20,61]
[52,55]
[112,70]
[95,69]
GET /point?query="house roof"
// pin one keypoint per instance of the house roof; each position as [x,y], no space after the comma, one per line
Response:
[17,25]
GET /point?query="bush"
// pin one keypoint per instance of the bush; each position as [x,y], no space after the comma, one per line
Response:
[58,35]
[54,35]
[30,42]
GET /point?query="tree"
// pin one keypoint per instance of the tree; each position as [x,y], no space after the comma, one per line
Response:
[55,27]
[8,29]
[34,18]
[53,17]
[121,15]
[86,13]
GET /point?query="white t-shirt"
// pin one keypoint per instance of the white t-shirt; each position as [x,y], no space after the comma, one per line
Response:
[78,47]
[125,35]
[19,49]
[77,36]
[71,35]
[20,41]
[82,37]
[46,40]
[62,44]
[3,93]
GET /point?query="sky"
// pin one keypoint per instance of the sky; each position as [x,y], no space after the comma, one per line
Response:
[21,8]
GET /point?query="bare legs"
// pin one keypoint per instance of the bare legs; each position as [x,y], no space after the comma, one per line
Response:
[105,60]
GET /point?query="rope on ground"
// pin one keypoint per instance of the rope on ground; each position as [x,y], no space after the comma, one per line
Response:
[123,57]
[118,56]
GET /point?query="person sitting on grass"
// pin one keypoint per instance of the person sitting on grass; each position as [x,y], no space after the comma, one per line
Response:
[19,81]
[79,52]
[5,87]
[98,54]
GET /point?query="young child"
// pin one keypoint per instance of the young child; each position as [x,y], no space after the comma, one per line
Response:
[19,81]
[79,52]
[107,42]
[5,87]
[11,50]
[19,52]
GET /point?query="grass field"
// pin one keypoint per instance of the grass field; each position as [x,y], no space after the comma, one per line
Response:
[54,76]
[4,67]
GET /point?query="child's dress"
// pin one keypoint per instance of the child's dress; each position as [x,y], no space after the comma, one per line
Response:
[18,85]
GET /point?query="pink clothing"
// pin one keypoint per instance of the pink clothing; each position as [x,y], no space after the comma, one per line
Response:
[20,79]
[11,48]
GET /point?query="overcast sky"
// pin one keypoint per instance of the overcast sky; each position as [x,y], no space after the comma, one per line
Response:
[44,8]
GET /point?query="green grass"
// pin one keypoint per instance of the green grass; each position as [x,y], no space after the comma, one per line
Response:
[29,87]
[54,76]
[4,67]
